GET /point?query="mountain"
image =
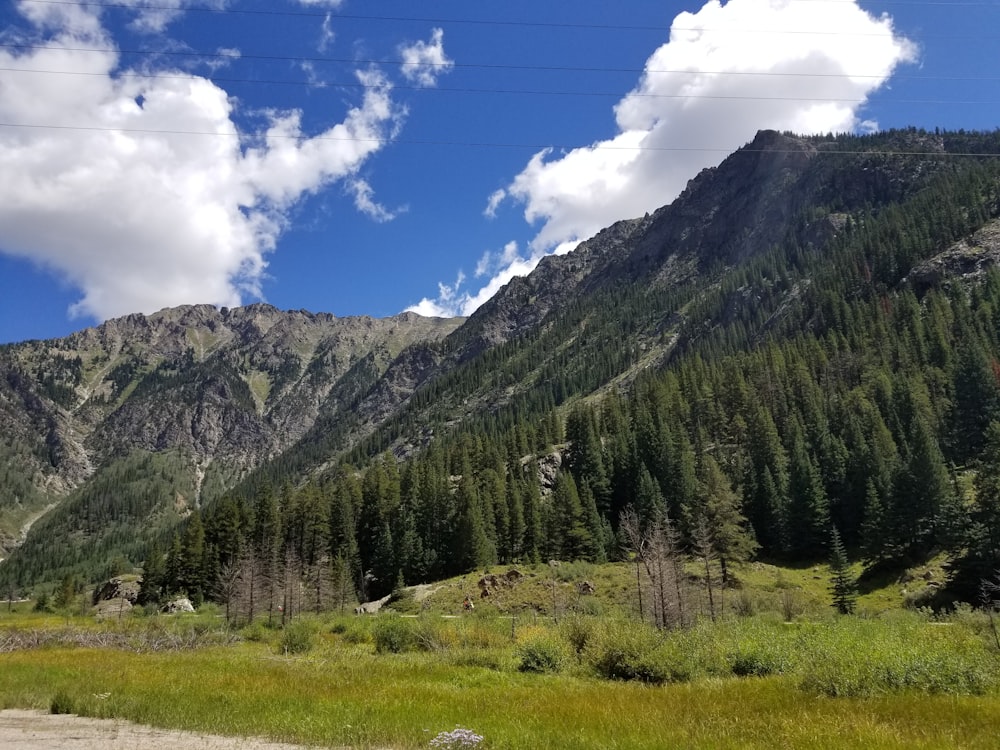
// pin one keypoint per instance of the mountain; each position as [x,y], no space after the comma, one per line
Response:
[810,272]
[226,389]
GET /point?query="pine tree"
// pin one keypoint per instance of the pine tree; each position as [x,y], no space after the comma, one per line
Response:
[843,585]
[534,534]
[153,575]
[922,489]
[473,549]
[732,537]
[193,568]
[808,510]
[980,549]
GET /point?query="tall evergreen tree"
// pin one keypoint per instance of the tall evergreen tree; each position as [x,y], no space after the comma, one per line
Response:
[731,536]
[808,510]
[843,585]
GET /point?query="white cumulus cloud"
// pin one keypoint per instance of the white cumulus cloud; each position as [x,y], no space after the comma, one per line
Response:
[424,62]
[501,266]
[140,191]
[725,72]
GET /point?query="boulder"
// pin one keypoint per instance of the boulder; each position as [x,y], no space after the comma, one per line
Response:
[118,587]
[585,588]
[111,609]
[178,605]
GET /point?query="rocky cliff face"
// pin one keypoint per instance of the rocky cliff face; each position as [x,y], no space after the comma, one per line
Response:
[231,388]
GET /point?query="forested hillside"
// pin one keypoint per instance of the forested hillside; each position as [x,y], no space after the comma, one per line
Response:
[806,340]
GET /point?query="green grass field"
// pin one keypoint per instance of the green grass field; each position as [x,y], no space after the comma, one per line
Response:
[896,679]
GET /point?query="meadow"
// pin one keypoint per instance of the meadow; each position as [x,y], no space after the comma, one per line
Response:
[573,678]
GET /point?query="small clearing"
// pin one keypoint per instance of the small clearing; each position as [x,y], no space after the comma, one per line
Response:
[36,730]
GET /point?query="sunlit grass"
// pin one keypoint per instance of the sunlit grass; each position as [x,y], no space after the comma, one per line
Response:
[343,693]
[901,680]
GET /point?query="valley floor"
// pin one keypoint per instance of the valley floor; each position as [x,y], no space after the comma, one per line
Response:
[37,730]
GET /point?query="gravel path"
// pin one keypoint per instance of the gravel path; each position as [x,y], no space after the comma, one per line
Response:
[36,730]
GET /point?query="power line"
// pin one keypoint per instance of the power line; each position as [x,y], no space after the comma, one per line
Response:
[487,22]
[472,90]
[485,144]
[476,66]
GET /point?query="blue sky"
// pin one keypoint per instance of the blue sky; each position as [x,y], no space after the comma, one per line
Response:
[366,158]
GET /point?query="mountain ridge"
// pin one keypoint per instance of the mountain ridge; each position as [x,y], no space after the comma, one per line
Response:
[255,398]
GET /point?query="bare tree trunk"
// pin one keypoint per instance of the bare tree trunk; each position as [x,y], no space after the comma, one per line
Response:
[638,584]
[705,550]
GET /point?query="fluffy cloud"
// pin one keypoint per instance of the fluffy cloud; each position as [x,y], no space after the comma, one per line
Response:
[423,62]
[725,72]
[448,302]
[140,191]
[501,266]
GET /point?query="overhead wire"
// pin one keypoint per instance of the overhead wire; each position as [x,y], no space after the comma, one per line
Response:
[470,21]
[481,66]
[223,55]
[481,144]
[474,90]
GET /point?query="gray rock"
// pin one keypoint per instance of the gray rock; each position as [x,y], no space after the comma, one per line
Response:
[178,605]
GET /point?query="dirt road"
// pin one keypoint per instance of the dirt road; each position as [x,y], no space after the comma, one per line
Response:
[36,730]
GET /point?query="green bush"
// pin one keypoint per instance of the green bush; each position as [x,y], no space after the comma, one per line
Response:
[569,572]
[618,650]
[433,634]
[546,652]
[62,703]
[354,630]
[254,632]
[394,635]
[298,637]
[759,649]
[577,631]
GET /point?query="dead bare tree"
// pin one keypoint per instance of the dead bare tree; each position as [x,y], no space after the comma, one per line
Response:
[991,600]
[658,549]
[704,550]
[227,589]
[291,586]
[319,583]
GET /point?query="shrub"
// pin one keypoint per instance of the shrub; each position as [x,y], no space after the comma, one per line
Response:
[568,572]
[744,605]
[618,649]
[393,635]
[298,637]
[354,630]
[433,634]
[483,632]
[761,649]
[577,631]
[401,600]
[543,653]
[254,632]
[62,703]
